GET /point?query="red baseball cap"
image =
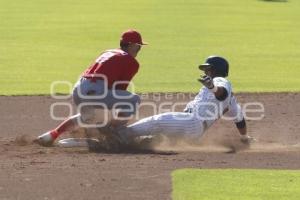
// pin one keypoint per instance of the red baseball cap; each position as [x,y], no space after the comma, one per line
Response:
[132,36]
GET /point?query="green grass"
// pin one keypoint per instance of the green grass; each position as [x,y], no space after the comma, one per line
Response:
[48,40]
[235,184]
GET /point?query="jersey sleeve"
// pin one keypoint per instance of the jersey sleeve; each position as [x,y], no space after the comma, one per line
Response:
[222,82]
[235,111]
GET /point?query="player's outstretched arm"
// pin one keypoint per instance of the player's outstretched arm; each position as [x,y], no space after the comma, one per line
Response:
[242,128]
[235,112]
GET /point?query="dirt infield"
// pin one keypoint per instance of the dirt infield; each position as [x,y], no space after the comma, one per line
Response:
[28,171]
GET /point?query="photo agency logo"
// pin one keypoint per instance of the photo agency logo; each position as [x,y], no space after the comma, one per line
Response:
[99,105]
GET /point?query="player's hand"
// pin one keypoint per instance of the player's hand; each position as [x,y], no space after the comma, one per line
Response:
[207,81]
[247,139]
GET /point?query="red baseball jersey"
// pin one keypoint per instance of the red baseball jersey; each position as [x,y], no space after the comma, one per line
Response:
[116,65]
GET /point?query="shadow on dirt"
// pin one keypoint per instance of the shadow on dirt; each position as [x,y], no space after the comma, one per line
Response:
[132,150]
[141,147]
[159,145]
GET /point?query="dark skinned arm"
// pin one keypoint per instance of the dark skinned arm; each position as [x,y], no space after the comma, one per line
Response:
[221,94]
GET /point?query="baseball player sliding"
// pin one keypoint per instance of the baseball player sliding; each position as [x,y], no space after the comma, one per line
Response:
[215,99]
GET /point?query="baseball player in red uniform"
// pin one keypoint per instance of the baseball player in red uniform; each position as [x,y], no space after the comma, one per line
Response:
[103,85]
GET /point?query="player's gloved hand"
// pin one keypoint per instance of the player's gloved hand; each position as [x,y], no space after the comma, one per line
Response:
[247,139]
[207,81]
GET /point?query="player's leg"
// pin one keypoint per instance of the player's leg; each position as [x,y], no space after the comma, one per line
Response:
[126,105]
[88,96]
[122,103]
[170,124]
[68,125]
